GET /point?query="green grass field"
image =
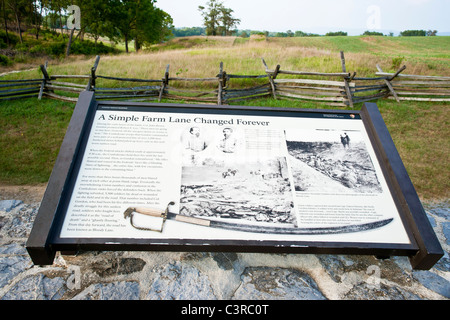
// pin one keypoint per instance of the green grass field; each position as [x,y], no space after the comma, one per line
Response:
[31,131]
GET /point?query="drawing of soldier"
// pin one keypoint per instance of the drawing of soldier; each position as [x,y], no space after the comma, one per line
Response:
[195,144]
[228,143]
[195,141]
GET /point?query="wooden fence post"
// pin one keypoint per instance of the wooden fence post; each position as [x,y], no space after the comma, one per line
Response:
[270,76]
[347,87]
[45,78]
[275,73]
[91,82]
[220,77]
[94,69]
[224,82]
[388,81]
[165,83]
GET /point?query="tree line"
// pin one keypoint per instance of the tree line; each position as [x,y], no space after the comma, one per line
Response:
[119,20]
[418,33]
[201,31]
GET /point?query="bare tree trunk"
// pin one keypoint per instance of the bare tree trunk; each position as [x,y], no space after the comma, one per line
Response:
[6,21]
[80,34]
[61,23]
[18,26]
[137,45]
[37,20]
[70,42]
[126,43]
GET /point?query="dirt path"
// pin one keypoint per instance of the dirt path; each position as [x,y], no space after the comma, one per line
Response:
[28,194]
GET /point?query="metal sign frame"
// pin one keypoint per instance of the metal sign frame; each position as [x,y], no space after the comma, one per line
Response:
[424,249]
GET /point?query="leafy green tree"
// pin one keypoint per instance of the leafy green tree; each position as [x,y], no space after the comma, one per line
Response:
[120,20]
[153,25]
[36,16]
[211,16]
[4,11]
[23,15]
[304,34]
[413,33]
[334,34]
[137,20]
[217,19]
[186,32]
[94,20]
[372,33]
[18,8]
[228,21]
[58,8]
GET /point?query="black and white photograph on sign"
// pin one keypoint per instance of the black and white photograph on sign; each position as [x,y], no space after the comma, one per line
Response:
[195,141]
[223,183]
[334,161]
[202,145]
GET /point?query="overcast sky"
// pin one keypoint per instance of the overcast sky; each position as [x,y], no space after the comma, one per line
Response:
[321,16]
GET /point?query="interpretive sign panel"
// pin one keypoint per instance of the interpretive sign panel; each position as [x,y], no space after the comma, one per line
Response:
[179,177]
[273,173]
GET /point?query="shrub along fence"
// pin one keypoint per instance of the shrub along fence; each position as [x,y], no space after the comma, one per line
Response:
[337,89]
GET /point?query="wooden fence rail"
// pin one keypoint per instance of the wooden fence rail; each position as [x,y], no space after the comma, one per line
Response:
[419,88]
[333,92]
[337,89]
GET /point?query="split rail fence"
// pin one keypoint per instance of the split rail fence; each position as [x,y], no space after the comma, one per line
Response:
[337,89]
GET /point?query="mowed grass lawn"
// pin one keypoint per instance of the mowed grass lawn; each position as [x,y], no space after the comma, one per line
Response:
[31,131]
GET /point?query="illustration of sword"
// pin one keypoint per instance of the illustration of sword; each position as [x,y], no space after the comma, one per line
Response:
[292,230]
